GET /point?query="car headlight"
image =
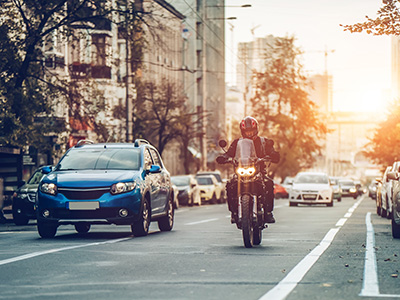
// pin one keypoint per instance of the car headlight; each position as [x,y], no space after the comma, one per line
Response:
[353,190]
[122,187]
[49,188]
[245,171]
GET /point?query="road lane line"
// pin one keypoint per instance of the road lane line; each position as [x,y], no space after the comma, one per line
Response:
[34,254]
[202,221]
[289,283]
[370,281]
[370,286]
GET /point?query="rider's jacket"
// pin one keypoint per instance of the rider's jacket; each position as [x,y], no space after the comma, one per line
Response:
[263,147]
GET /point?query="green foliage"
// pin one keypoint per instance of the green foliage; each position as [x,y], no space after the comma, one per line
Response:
[387,22]
[284,111]
[382,146]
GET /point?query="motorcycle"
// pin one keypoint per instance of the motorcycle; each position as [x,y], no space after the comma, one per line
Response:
[250,188]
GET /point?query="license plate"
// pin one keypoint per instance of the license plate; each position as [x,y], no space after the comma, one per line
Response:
[309,197]
[83,205]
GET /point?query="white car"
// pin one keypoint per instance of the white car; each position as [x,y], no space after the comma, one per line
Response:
[208,188]
[311,188]
[220,191]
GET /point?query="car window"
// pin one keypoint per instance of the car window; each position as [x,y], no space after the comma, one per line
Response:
[99,159]
[204,180]
[147,159]
[36,177]
[311,178]
[156,157]
[180,181]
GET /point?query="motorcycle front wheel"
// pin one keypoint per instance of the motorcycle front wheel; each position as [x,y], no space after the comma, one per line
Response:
[247,221]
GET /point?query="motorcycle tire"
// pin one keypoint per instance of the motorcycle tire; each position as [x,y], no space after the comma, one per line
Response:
[247,221]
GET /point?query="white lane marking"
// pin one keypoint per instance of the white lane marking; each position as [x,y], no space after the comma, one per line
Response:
[34,254]
[341,222]
[370,286]
[288,283]
[202,221]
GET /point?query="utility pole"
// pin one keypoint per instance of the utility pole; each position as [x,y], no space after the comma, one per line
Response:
[203,138]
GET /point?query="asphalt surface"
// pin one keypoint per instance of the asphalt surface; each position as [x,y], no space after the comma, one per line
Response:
[312,252]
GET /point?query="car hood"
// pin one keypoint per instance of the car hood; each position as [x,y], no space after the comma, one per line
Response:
[310,186]
[90,178]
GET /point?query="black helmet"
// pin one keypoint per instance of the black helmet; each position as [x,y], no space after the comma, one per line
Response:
[249,127]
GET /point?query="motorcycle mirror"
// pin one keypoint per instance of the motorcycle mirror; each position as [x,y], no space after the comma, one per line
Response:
[222,143]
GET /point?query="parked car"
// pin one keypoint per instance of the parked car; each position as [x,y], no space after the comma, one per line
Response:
[348,188]
[220,189]
[384,201]
[23,200]
[208,188]
[280,191]
[311,188]
[189,190]
[337,192]
[395,215]
[111,183]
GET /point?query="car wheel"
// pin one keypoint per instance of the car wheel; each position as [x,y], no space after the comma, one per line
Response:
[292,204]
[330,204]
[395,226]
[18,218]
[339,199]
[166,223]
[214,199]
[46,230]
[383,213]
[82,227]
[141,227]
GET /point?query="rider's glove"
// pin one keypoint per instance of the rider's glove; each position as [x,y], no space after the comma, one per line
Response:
[222,160]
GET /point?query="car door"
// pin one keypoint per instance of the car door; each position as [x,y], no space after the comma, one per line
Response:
[162,182]
[152,180]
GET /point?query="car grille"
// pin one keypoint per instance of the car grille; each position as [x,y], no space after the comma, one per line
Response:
[83,194]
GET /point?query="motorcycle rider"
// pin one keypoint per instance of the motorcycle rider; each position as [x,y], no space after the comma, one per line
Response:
[264,147]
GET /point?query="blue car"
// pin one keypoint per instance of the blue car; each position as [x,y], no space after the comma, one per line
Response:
[122,184]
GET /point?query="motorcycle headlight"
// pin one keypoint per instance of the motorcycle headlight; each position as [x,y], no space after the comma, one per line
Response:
[246,171]
[49,188]
[122,187]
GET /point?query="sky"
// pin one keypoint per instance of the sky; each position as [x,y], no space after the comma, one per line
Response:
[358,62]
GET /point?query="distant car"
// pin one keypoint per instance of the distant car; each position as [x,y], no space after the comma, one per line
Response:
[311,188]
[189,190]
[287,183]
[360,188]
[220,189]
[208,188]
[280,191]
[111,183]
[337,192]
[372,189]
[175,192]
[348,188]
[23,200]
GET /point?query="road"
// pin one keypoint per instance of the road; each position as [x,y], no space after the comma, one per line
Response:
[340,252]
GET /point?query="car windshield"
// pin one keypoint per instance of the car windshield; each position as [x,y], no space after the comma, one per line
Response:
[204,180]
[346,182]
[181,181]
[36,177]
[100,159]
[311,178]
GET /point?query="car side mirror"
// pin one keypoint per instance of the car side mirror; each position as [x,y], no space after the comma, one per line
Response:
[393,175]
[47,169]
[154,169]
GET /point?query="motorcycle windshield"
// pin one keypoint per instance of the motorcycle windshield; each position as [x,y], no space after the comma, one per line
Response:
[245,152]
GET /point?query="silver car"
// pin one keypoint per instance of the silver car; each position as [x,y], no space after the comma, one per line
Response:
[311,188]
